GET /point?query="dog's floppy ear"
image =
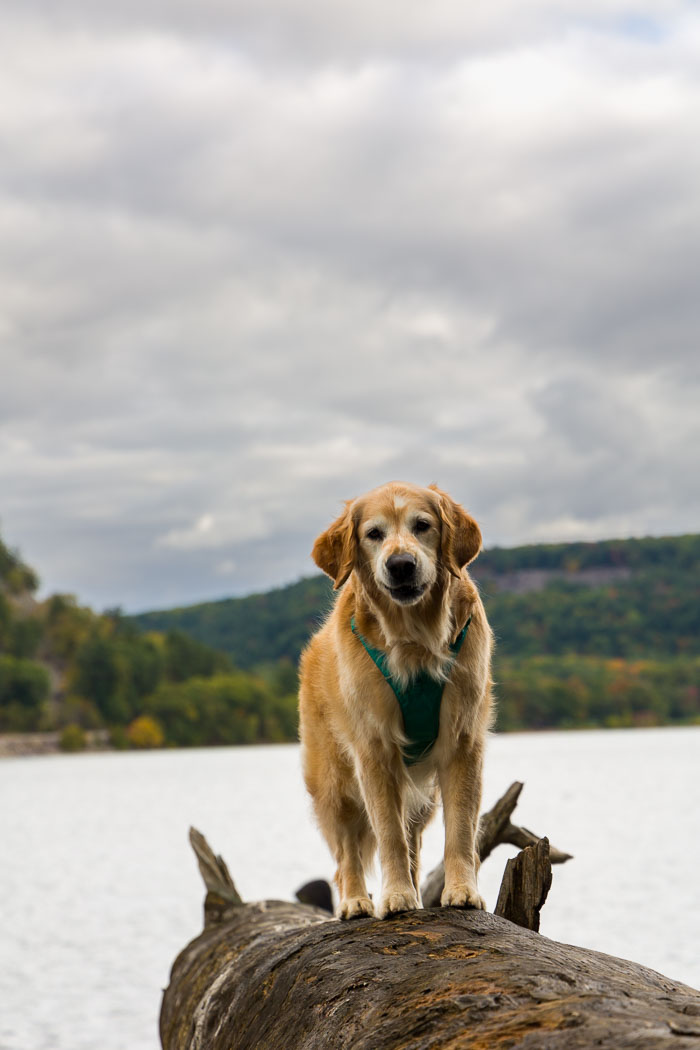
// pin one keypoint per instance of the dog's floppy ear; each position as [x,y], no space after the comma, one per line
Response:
[334,550]
[461,536]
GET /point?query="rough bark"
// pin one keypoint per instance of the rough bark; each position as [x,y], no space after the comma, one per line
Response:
[277,976]
[282,976]
[525,886]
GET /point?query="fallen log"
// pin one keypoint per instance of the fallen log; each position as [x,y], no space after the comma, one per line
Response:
[274,975]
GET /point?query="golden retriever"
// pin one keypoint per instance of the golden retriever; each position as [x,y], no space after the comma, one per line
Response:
[399,554]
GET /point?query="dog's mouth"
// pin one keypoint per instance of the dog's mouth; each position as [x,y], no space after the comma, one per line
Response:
[408,593]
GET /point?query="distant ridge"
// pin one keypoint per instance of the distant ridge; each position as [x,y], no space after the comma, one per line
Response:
[626,598]
[587,634]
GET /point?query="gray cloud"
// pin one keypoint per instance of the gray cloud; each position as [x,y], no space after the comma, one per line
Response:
[302,31]
[257,259]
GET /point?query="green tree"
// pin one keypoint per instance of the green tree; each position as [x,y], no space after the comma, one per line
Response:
[24,690]
[72,738]
[98,678]
[186,658]
[234,708]
[25,637]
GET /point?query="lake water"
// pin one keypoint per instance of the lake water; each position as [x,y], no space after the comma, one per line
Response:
[99,889]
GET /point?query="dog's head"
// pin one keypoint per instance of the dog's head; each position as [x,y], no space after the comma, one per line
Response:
[401,538]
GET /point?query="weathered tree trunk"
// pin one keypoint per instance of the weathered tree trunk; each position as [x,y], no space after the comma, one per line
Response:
[525,886]
[282,976]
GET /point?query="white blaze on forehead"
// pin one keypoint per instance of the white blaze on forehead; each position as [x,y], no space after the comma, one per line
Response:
[399,503]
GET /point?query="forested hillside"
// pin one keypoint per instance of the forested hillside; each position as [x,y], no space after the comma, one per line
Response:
[259,629]
[587,633]
[64,667]
[616,598]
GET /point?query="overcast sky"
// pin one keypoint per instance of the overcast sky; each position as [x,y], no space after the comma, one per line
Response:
[257,257]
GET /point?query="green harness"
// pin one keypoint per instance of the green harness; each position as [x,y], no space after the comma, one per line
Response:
[419,701]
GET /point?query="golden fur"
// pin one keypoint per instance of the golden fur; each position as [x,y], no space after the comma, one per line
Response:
[364,796]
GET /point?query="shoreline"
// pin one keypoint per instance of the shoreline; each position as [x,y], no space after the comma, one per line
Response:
[24,745]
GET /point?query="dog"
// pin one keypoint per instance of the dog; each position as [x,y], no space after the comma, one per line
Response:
[408,622]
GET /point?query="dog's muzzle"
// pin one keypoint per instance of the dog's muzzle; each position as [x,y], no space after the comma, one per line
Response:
[402,572]
[401,569]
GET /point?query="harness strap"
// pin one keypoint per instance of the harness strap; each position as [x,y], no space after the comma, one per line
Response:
[419,701]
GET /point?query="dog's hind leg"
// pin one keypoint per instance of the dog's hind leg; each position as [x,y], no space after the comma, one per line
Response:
[414,836]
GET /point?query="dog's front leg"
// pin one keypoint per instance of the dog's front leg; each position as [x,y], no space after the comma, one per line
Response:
[381,789]
[460,785]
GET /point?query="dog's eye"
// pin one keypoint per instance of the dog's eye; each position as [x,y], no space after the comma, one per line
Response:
[421,525]
[375,534]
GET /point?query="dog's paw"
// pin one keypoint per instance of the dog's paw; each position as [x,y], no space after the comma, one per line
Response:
[355,908]
[392,903]
[462,896]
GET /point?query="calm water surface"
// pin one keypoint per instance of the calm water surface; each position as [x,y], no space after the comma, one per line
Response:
[99,889]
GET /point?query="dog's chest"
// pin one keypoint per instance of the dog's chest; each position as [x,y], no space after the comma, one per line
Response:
[418,695]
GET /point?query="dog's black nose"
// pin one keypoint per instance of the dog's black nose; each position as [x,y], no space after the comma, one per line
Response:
[401,567]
